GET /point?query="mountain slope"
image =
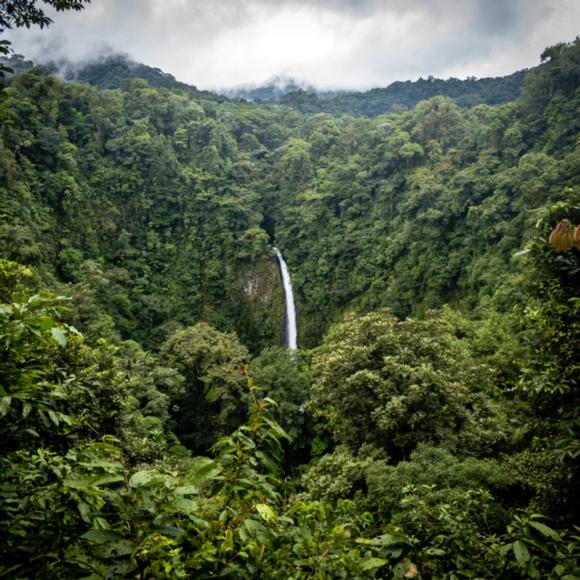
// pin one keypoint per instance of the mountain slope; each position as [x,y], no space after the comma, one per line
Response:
[377,101]
[163,203]
[114,71]
[465,93]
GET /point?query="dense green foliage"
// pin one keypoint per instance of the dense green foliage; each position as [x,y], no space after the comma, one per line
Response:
[375,102]
[178,197]
[465,93]
[430,432]
[114,71]
[394,384]
[167,200]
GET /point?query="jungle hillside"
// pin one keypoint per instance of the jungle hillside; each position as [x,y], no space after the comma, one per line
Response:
[154,423]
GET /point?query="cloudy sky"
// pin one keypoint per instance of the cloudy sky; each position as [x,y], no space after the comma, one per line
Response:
[328,43]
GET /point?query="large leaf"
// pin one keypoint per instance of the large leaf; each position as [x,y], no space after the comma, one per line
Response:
[203,469]
[106,479]
[521,553]
[102,463]
[545,530]
[116,549]
[59,335]
[266,512]
[4,405]
[54,417]
[186,490]
[182,505]
[388,540]
[373,563]
[141,478]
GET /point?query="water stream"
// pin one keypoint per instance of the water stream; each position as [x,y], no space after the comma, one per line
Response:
[291,332]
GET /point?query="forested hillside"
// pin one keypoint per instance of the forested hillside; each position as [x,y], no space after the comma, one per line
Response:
[114,71]
[106,71]
[152,425]
[174,199]
[374,102]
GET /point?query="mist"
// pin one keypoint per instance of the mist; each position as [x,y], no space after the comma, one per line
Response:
[329,44]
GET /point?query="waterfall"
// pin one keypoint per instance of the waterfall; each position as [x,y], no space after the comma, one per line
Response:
[291,333]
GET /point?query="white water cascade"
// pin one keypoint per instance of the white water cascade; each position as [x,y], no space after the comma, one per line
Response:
[291,332]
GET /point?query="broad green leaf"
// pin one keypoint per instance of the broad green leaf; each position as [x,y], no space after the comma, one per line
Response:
[102,463]
[100,523]
[187,490]
[73,481]
[373,563]
[108,479]
[119,548]
[85,511]
[59,335]
[534,573]
[5,405]
[67,419]
[182,505]
[545,530]
[141,478]
[266,512]
[35,300]
[253,526]
[54,417]
[388,540]
[202,470]
[521,553]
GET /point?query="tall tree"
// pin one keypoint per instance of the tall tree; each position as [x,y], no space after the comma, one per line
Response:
[212,363]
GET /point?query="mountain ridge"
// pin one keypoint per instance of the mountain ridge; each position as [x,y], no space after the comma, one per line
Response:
[113,71]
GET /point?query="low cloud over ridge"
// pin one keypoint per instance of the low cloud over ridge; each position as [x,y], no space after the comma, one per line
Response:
[328,43]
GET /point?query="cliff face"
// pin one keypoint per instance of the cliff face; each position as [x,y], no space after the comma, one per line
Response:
[262,312]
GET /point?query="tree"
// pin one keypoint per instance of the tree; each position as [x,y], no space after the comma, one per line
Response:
[550,377]
[396,383]
[284,376]
[213,365]
[19,13]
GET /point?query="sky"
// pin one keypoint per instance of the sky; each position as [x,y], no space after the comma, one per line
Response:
[330,44]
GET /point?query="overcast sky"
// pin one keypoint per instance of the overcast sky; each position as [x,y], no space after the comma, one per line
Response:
[328,43]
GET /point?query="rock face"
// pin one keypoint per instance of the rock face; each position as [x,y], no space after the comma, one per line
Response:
[263,308]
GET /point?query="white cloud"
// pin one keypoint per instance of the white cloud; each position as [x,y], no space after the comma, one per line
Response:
[328,43]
